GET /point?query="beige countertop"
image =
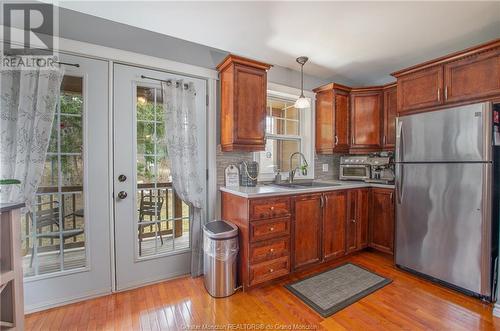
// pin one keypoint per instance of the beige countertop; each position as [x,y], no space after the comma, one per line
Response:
[265,190]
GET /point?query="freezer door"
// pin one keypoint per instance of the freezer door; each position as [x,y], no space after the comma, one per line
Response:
[443,222]
[451,135]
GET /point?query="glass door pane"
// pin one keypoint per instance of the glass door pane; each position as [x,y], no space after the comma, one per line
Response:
[162,218]
[54,233]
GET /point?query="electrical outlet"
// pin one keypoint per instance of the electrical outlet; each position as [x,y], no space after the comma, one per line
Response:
[325,167]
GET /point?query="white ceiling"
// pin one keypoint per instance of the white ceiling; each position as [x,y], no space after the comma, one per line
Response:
[361,42]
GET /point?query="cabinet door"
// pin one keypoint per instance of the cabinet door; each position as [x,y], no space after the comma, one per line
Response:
[351,231]
[366,120]
[307,230]
[334,224]
[382,220]
[324,122]
[362,214]
[341,122]
[250,104]
[390,111]
[473,77]
[420,89]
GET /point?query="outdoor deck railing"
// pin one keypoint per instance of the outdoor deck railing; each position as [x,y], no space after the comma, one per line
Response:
[72,214]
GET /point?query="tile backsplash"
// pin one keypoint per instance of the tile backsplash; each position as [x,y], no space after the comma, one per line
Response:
[226,158]
[333,162]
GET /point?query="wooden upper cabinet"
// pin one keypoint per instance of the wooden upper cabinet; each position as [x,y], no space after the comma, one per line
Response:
[472,77]
[243,103]
[332,118]
[390,113]
[366,120]
[325,126]
[421,89]
[334,224]
[342,132]
[382,220]
[307,230]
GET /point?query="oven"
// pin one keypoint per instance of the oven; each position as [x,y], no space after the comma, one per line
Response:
[354,168]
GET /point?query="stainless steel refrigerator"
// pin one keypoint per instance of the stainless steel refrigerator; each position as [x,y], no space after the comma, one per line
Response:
[444,198]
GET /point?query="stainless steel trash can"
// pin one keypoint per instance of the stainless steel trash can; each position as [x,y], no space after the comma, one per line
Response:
[220,248]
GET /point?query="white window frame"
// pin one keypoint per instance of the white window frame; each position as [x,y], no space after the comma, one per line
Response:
[306,129]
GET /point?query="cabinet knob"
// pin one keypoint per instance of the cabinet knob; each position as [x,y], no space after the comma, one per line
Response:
[354,221]
[271,270]
[271,250]
[272,208]
[271,229]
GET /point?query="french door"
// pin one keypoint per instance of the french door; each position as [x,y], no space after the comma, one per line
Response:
[65,238]
[152,228]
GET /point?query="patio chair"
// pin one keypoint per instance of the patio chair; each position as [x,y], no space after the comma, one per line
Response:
[150,206]
[49,217]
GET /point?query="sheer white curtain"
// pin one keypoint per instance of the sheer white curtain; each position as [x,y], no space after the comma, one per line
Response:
[28,101]
[183,150]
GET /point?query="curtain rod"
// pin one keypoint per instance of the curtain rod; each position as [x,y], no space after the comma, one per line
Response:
[186,86]
[68,64]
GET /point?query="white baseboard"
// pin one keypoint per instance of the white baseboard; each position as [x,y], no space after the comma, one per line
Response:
[57,303]
[496,310]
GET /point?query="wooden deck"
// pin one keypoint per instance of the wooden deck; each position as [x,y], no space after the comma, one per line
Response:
[49,262]
[408,303]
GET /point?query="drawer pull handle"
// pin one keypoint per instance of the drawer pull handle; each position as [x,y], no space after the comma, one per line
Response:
[271,229]
[271,270]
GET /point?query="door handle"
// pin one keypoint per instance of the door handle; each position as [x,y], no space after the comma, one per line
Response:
[122,178]
[336,140]
[321,202]
[446,92]
[399,180]
[439,94]
[399,141]
[122,195]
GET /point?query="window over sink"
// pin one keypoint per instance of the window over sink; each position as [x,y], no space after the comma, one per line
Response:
[288,130]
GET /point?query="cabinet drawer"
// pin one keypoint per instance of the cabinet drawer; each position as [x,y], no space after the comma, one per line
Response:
[268,229]
[269,250]
[269,208]
[265,271]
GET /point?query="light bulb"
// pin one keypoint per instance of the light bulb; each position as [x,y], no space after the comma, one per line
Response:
[302,103]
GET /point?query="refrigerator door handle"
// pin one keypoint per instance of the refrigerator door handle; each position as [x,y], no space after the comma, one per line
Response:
[399,140]
[399,181]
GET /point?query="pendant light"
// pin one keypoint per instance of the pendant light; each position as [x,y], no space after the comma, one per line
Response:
[302,102]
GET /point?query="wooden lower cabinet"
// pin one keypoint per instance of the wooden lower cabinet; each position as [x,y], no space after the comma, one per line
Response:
[334,224]
[282,234]
[382,219]
[307,229]
[357,220]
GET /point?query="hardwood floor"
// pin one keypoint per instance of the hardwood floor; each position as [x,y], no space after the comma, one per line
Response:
[408,303]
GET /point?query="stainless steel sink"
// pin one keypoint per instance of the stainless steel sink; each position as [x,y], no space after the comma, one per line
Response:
[304,185]
[316,184]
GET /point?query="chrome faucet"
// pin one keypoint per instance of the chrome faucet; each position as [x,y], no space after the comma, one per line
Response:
[291,173]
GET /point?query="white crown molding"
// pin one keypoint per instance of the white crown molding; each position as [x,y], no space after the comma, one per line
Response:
[74,47]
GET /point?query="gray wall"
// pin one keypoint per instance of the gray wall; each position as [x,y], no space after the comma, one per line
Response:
[91,29]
